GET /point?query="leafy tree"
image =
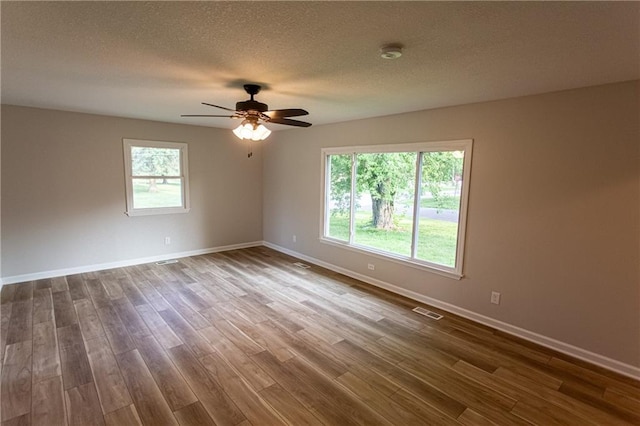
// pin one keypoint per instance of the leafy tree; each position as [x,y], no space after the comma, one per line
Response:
[150,161]
[340,183]
[384,176]
[439,168]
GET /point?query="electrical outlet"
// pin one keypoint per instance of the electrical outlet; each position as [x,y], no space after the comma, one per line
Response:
[371,267]
[294,238]
[167,241]
[495,297]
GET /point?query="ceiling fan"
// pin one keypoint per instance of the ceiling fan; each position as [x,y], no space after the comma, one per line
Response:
[255,113]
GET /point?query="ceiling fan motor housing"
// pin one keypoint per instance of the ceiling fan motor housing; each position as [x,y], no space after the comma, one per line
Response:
[251,105]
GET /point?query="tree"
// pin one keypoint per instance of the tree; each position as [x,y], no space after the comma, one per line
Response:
[384,176]
[340,192]
[150,161]
[438,168]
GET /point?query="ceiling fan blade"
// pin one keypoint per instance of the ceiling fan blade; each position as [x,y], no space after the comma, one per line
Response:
[218,106]
[289,122]
[205,115]
[291,112]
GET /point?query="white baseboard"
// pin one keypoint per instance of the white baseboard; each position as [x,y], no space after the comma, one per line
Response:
[565,348]
[121,263]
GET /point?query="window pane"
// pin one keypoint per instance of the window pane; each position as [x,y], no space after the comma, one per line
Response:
[149,161]
[440,191]
[384,208]
[339,197]
[156,193]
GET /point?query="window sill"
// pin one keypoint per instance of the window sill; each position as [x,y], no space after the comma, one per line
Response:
[405,261]
[149,212]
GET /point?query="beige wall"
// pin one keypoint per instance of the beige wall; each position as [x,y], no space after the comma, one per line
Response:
[63,197]
[554,210]
[0,197]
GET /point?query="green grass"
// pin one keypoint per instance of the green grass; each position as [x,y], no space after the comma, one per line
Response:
[166,195]
[436,238]
[446,202]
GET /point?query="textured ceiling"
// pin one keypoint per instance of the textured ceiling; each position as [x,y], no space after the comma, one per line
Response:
[157,60]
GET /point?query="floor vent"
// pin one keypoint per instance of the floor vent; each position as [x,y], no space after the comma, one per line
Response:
[426,313]
[166,262]
[302,265]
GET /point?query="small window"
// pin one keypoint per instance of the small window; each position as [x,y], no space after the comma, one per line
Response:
[157,179]
[403,202]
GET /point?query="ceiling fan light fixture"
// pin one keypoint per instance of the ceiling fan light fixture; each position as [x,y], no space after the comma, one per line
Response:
[260,133]
[247,131]
[238,131]
[250,130]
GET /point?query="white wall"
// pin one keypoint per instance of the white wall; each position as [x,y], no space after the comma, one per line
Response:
[63,196]
[554,211]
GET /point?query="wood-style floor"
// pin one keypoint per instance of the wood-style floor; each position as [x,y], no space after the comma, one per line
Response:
[247,338]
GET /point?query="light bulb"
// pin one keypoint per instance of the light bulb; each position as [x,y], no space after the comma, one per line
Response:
[261,133]
[247,131]
[238,131]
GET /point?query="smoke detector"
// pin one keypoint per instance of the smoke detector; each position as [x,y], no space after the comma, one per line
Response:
[391,51]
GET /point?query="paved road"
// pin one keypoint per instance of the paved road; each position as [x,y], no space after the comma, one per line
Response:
[427,212]
[446,215]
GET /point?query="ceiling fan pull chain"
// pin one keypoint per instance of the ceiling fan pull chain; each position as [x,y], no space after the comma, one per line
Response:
[249,150]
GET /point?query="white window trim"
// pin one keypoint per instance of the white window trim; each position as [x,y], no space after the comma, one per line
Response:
[184,176]
[465,145]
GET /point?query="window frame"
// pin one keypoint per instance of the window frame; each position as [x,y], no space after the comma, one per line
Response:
[465,145]
[184,177]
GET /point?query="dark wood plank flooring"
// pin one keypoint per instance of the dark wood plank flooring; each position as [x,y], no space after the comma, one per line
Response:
[247,338]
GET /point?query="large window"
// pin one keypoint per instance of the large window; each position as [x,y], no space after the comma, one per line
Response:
[156,177]
[404,202]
